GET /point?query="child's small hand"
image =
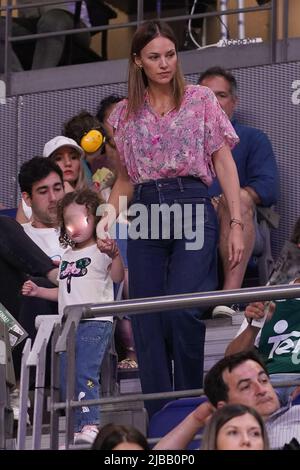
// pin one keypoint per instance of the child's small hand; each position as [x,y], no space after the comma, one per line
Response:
[109,247]
[29,289]
[102,243]
[114,250]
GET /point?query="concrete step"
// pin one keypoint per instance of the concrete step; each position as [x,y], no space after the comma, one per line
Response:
[219,333]
[126,413]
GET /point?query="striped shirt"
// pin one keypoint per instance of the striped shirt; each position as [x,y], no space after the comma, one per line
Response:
[283,425]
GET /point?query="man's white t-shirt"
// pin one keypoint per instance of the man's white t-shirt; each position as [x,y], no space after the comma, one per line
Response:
[84,278]
[47,239]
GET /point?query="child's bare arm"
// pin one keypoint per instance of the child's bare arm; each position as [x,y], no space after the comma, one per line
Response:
[30,289]
[110,248]
[117,269]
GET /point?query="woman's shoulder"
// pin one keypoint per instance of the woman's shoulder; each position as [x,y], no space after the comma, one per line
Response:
[118,113]
[121,105]
[198,91]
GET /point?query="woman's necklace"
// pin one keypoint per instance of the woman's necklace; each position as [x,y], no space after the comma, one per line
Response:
[162,113]
[164,108]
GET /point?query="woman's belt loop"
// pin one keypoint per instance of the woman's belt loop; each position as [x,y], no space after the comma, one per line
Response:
[139,188]
[180,184]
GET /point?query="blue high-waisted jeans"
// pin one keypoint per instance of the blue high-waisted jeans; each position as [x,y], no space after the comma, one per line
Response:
[162,265]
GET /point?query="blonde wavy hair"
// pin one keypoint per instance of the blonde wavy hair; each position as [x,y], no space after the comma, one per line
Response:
[81,182]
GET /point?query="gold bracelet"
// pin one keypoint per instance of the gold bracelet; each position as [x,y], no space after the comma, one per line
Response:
[236,222]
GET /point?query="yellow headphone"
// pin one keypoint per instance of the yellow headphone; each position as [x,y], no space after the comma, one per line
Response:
[92,141]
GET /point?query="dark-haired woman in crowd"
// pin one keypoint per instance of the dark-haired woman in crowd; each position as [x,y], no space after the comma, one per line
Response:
[119,437]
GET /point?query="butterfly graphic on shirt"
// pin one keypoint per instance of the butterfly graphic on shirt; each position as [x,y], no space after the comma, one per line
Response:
[73,269]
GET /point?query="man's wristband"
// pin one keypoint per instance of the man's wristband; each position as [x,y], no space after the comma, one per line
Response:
[236,222]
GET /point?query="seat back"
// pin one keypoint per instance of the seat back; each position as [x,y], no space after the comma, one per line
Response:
[164,420]
[296,400]
[9,212]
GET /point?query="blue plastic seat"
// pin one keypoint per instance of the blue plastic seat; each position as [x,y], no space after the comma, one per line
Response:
[296,400]
[9,212]
[171,415]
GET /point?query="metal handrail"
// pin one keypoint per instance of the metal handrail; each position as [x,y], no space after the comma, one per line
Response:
[94,29]
[273,31]
[140,18]
[137,397]
[285,28]
[12,7]
[173,302]
[73,314]
[132,397]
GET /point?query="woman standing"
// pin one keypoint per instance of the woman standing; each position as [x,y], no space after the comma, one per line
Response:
[172,139]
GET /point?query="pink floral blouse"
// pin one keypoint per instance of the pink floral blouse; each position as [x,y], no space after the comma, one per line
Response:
[180,143]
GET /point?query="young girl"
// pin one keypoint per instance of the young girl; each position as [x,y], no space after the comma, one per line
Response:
[85,275]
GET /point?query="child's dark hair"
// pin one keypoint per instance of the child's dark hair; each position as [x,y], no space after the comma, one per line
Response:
[105,104]
[80,125]
[84,197]
[35,170]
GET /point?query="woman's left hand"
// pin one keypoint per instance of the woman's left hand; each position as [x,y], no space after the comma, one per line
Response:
[235,245]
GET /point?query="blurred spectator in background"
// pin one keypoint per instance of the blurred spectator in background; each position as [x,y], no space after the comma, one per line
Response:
[69,157]
[48,52]
[120,437]
[258,175]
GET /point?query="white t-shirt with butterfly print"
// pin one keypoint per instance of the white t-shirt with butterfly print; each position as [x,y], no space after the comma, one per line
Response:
[84,278]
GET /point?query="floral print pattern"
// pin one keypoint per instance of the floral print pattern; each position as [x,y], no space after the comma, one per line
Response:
[180,143]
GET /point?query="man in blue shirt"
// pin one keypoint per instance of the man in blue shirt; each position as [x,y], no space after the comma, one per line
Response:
[257,170]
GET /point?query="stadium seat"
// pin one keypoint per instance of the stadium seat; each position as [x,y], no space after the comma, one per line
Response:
[9,212]
[296,400]
[172,414]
